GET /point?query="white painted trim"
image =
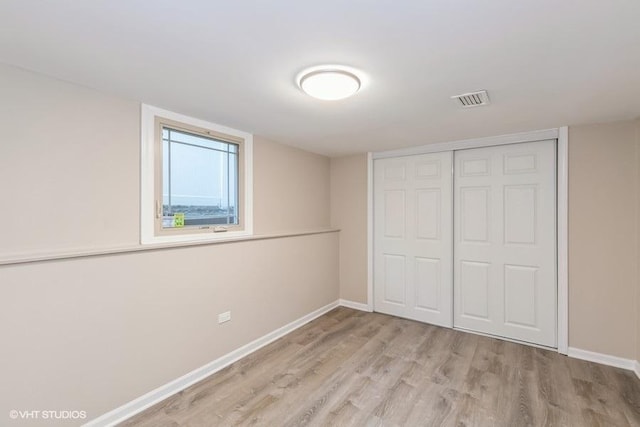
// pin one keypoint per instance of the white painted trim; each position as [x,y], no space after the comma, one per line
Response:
[370,231]
[561,135]
[128,410]
[148,114]
[636,368]
[562,227]
[539,135]
[604,359]
[76,253]
[147,172]
[355,305]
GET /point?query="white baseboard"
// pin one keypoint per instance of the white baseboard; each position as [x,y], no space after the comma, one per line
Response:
[355,305]
[605,359]
[128,410]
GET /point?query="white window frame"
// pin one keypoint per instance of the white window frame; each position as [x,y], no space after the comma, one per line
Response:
[148,179]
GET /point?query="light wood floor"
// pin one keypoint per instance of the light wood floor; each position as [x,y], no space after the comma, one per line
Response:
[350,368]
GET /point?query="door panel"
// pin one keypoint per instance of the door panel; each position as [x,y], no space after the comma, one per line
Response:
[474,282]
[520,214]
[394,213]
[413,237]
[505,241]
[520,295]
[428,283]
[428,213]
[475,214]
[395,283]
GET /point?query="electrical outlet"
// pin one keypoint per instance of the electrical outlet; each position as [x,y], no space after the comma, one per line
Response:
[224,317]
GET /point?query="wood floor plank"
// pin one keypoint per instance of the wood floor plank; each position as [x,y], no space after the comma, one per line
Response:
[351,368]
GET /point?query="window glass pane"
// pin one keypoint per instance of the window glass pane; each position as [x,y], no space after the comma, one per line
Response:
[199,181]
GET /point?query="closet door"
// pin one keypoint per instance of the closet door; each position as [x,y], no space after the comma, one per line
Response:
[413,237]
[505,241]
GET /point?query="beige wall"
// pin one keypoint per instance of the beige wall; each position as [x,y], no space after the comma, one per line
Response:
[603,224]
[291,190]
[94,333]
[349,214]
[69,170]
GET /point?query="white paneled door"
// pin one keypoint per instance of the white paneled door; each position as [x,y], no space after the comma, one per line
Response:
[413,237]
[505,241]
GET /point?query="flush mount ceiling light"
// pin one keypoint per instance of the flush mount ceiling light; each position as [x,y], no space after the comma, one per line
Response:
[329,83]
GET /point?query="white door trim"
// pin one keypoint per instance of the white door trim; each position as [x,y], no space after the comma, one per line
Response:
[370,231]
[562,135]
[538,135]
[562,224]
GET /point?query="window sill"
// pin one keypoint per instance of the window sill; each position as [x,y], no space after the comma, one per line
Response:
[85,253]
[210,236]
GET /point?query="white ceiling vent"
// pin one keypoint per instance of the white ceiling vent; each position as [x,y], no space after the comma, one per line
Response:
[472,99]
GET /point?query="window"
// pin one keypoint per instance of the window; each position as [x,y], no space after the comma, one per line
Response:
[195,180]
[199,179]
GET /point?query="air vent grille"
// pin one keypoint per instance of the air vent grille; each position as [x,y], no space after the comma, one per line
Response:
[472,99]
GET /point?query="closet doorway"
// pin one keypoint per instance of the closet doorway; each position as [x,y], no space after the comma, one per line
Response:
[467,239]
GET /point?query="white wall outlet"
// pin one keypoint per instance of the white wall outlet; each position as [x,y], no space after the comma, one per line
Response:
[224,317]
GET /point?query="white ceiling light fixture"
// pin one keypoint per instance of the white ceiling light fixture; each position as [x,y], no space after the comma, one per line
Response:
[329,82]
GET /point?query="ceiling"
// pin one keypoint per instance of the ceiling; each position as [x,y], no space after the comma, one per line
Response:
[545,63]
